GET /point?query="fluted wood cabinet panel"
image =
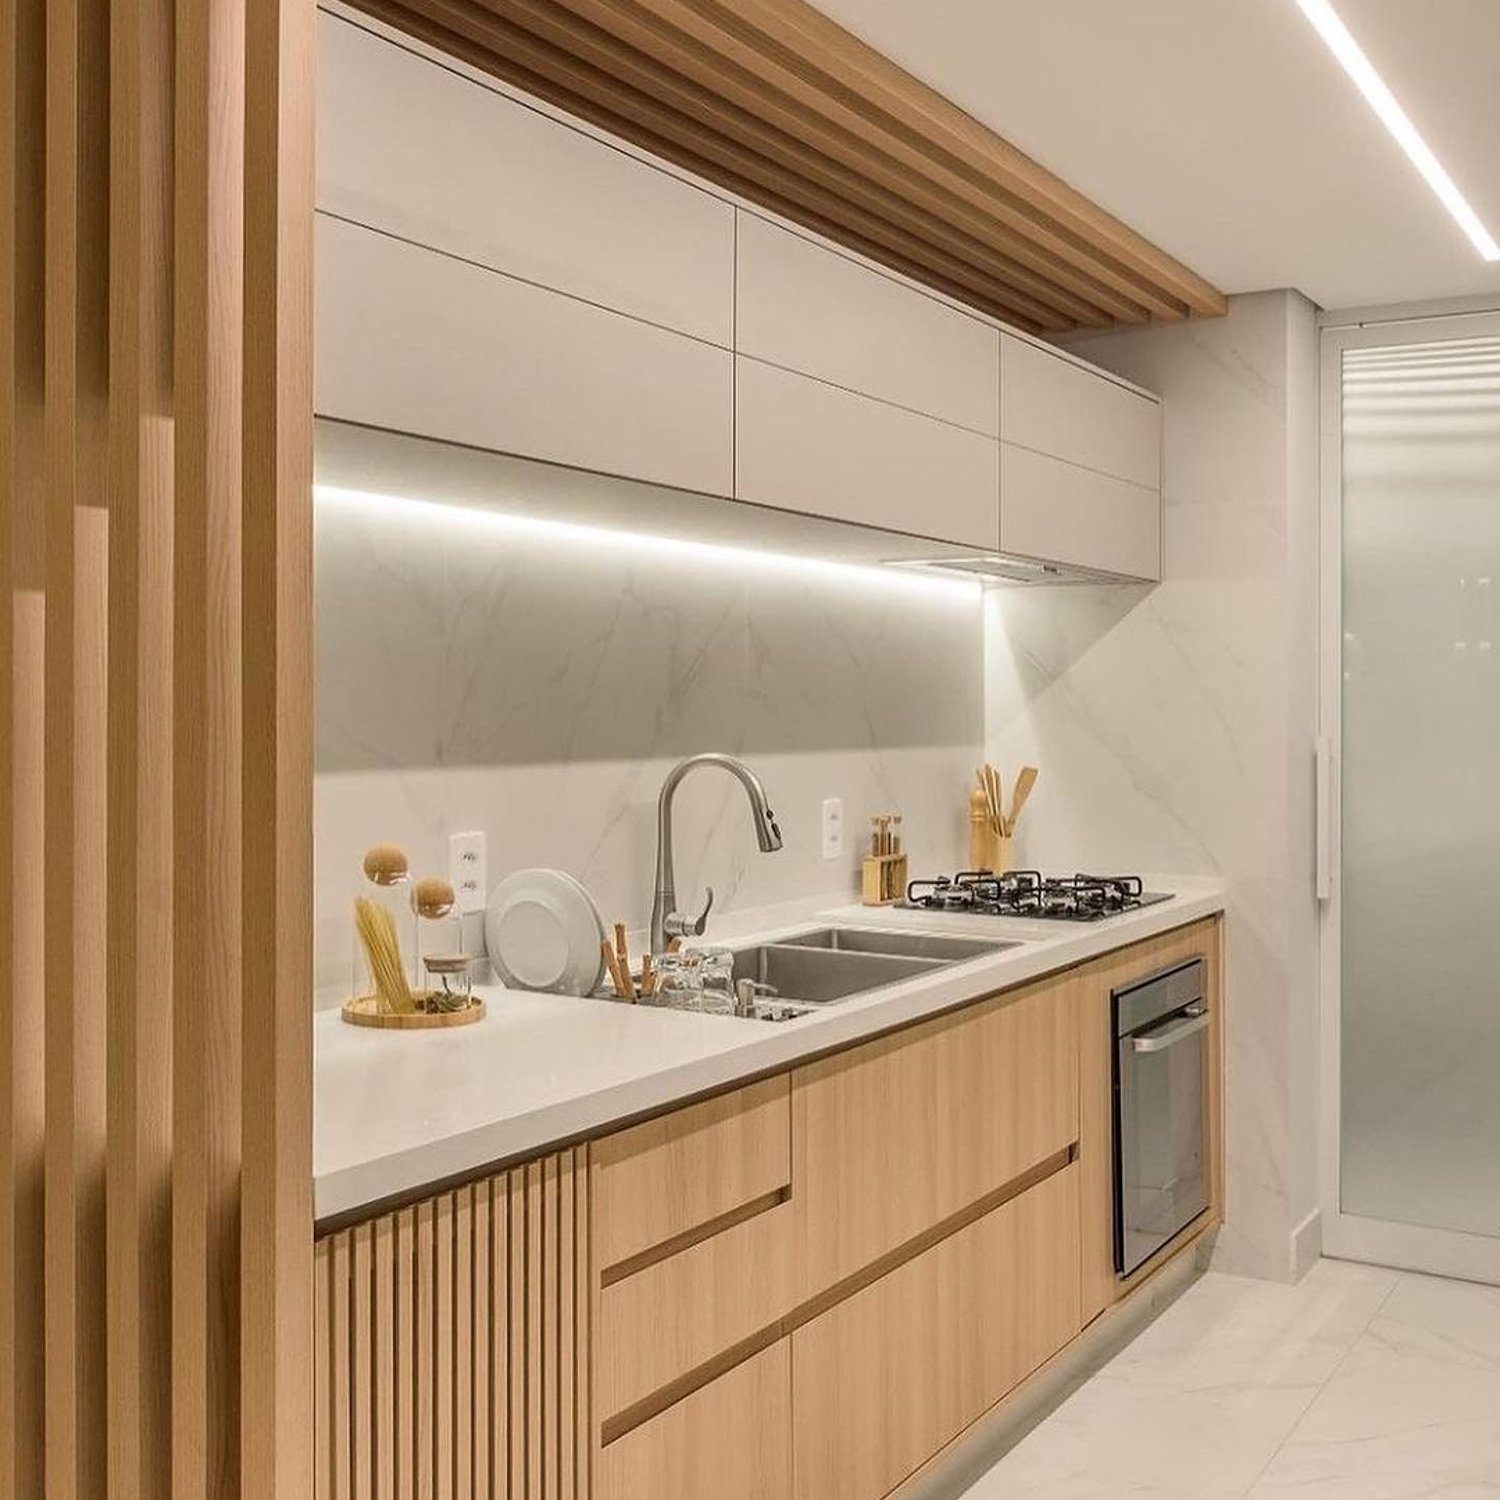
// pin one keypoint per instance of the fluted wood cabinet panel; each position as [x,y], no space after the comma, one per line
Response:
[450,1345]
[155,749]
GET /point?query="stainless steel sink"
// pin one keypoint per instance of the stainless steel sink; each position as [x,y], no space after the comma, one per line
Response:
[934,945]
[814,976]
[805,970]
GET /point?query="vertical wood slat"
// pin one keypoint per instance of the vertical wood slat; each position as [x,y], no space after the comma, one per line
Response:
[481,1351]
[463,1344]
[22,748]
[139,735]
[156,1269]
[453,1354]
[323,1359]
[406,1354]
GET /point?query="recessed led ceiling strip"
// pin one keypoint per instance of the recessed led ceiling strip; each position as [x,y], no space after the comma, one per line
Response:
[1352,59]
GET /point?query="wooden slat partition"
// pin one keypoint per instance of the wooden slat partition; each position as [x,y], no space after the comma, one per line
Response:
[451,1344]
[776,102]
[155,749]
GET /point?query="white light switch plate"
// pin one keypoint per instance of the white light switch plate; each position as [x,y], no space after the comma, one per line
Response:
[833,828]
[468,870]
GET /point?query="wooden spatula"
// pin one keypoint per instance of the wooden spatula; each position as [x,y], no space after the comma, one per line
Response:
[1024,783]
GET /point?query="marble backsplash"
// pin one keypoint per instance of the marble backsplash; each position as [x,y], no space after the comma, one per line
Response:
[1174,726]
[538,684]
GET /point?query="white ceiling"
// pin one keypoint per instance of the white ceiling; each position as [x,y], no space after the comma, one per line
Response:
[1225,132]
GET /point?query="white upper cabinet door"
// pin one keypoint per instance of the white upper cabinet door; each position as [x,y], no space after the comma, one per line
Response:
[811,309]
[806,446]
[421,151]
[1055,406]
[1064,513]
[419,342]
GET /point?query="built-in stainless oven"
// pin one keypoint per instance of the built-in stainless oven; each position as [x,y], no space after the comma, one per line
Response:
[1161,1110]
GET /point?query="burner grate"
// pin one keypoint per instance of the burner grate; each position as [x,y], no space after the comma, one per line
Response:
[1029,893]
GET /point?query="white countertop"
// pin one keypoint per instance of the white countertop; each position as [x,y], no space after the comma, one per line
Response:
[395,1110]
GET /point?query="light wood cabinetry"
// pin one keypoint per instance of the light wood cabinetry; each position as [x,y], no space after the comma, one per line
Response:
[1061,513]
[804,445]
[684,1173]
[666,1325]
[730,1440]
[814,310]
[804,1287]
[1091,994]
[415,341]
[426,153]
[892,1138]
[1053,404]
[890,1375]
[452,1343]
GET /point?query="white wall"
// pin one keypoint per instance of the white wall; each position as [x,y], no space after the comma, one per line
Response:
[539,686]
[1174,726]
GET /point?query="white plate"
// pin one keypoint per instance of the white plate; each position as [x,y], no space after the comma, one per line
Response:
[543,932]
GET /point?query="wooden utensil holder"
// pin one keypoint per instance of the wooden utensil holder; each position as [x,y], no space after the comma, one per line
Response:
[884,879]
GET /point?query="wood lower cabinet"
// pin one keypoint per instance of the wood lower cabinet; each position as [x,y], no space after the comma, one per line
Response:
[452,1344]
[729,1440]
[801,1289]
[891,1138]
[889,1376]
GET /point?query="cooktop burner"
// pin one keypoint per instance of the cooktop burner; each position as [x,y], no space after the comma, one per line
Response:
[1028,893]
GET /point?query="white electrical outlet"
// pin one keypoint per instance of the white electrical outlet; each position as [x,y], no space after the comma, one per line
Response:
[468,870]
[833,828]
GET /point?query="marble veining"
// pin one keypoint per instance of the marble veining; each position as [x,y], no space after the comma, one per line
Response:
[1174,726]
[1360,1383]
[539,686]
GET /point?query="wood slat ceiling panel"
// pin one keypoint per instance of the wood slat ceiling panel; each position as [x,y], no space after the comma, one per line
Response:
[775,102]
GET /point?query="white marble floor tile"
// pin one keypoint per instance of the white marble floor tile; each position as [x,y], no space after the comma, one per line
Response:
[1357,1384]
[1229,1332]
[1113,1439]
[1412,1412]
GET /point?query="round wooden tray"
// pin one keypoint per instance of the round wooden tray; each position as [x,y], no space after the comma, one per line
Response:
[364,1012]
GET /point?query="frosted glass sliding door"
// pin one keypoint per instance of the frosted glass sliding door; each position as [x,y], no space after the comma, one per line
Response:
[1419,893]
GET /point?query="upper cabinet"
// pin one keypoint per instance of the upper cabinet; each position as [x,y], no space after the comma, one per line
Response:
[804,445]
[859,398]
[422,343]
[816,311]
[491,275]
[419,150]
[1080,465]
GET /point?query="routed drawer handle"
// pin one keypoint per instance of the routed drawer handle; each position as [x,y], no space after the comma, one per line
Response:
[1170,1035]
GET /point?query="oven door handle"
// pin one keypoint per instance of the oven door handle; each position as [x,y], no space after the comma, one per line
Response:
[1188,1024]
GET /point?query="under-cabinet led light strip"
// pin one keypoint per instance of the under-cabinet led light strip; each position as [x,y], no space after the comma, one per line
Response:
[482,520]
[1377,94]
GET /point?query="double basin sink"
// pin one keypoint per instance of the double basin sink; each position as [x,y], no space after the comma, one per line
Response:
[807,970]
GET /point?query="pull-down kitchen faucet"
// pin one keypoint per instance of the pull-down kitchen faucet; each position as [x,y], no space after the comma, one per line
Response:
[666,921]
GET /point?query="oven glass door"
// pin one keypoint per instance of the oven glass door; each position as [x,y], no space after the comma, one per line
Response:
[1162,1135]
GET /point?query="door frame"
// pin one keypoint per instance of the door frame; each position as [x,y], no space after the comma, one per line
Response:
[1441,1252]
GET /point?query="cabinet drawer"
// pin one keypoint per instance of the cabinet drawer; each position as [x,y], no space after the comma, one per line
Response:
[415,341]
[1055,510]
[676,1175]
[1051,404]
[811,309]
[421,151]
[731,1440]
[891,1139]
[676,1315]
[805,446]
[888,1377]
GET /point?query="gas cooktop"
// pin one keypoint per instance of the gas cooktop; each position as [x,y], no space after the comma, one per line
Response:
[1028,893]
